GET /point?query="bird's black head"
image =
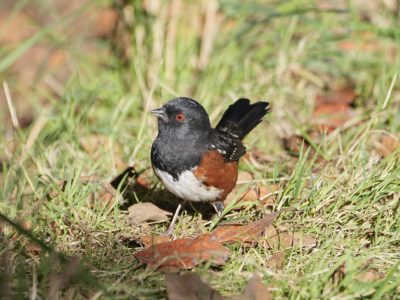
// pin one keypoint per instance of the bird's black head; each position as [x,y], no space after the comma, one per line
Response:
[182,117]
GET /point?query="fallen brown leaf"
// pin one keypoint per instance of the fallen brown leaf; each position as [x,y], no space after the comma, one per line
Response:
[387,145]
[59,280]
[143,181]
[6,269]
[189,286]
[151,240]
[333,109]
[282,240]
[243,233]
[276,261]
[245,176]
[294,143]
[17,27]
[142,212]
[184,253]
[255,290]
[105,197]
[106,20]
[261,156]
[364,41]
[33,248]
[370,275]
[345,96]
[261,195]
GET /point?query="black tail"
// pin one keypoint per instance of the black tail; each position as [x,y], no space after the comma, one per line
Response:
[241,117]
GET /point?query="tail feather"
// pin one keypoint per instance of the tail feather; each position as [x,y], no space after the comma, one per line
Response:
[241,117]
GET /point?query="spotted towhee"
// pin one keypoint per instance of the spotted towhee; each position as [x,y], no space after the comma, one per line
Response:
[194,161]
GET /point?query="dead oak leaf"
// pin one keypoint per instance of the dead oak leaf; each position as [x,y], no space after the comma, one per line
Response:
[187,253]
[387,145]
[142,212]
[245,176]
[276,261]
[184,253]
[261,196]
[105,23]
[283,240]
[151,240]
[189,286]
[243,233]
[371,275]
[255,290]
[33,248]
[333,109]
[294,144]
[261,156]
[344,96]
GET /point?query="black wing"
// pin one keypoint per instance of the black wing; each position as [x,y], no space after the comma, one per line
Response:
[241,117]
[230,147]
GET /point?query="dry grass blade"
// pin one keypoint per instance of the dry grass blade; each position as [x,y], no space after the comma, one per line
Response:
[10,105]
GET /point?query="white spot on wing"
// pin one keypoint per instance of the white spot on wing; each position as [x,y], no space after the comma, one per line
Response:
[221,151]
[188,187]
[233,153]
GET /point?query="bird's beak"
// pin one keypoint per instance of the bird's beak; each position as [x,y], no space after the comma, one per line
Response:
[160,113]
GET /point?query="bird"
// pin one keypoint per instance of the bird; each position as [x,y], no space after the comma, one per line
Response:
[196,162]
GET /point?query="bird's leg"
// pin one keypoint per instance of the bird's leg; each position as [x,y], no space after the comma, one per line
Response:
[219,207]
[171,226]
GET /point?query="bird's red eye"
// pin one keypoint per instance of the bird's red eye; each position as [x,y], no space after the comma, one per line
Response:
[180,117]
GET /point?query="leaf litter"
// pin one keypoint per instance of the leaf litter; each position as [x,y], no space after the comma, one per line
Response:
[276,261]
[258,196]
[147,211]
[186,253]
[332,110]
[386,145]
[189,286]
[243,233]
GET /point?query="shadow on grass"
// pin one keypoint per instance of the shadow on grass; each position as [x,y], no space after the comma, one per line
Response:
[127,182]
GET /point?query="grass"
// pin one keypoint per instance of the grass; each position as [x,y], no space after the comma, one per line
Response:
[284,52]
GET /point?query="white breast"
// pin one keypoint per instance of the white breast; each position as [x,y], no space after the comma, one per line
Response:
[188,187]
